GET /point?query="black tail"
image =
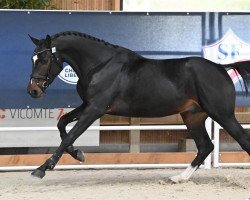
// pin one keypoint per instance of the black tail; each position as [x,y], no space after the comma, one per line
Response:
[243,69]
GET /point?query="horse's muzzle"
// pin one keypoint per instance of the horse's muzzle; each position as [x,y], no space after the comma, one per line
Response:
[34,90]
[35,93]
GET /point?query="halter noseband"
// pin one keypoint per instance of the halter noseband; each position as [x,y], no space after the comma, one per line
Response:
[45,78]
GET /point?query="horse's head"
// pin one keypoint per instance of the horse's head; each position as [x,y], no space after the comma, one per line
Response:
[46,66]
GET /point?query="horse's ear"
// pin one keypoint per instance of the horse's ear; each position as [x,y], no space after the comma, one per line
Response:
[34,40]
[48,41]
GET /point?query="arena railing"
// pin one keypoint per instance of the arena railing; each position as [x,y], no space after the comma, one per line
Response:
[207,162]
[217,155]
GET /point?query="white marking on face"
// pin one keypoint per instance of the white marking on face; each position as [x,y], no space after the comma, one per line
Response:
[34,58]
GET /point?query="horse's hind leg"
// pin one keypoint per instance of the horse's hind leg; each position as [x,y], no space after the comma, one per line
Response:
[232,126]
[195,122]
[63,122]
[219,105]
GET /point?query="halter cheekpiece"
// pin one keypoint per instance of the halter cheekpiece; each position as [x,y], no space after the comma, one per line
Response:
[45,78]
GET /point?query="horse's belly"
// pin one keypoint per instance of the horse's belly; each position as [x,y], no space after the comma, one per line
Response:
[162,109]
[151,109]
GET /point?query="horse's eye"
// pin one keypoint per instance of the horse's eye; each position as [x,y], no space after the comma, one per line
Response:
[43,58]
[43,55]
[43,61]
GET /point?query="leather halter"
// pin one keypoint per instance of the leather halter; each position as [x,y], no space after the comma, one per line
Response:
[45,77]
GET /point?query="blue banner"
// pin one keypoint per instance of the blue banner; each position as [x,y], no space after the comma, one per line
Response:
[137,31]
[154,35]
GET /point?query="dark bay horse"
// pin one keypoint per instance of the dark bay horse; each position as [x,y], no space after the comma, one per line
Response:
[117,81]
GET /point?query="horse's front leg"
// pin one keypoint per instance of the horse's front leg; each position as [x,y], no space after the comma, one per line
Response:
[63,122]
[88,116]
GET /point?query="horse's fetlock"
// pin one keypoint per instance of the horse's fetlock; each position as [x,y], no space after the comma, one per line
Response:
[50,163]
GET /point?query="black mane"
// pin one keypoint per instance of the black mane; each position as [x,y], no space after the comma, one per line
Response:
[84,35]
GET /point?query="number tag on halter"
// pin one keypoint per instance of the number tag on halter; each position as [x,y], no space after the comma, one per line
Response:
[53,49]
[34,58]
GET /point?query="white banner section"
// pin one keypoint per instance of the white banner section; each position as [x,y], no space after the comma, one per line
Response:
[46,136]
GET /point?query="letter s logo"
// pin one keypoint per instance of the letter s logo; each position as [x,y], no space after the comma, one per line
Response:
[222,51]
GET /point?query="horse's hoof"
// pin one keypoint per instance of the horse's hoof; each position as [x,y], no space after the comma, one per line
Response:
[178,179]
[79,155]
[75,153]
[175,179]
[38,173]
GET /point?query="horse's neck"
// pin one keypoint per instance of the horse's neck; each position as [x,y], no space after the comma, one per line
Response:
[83,56]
